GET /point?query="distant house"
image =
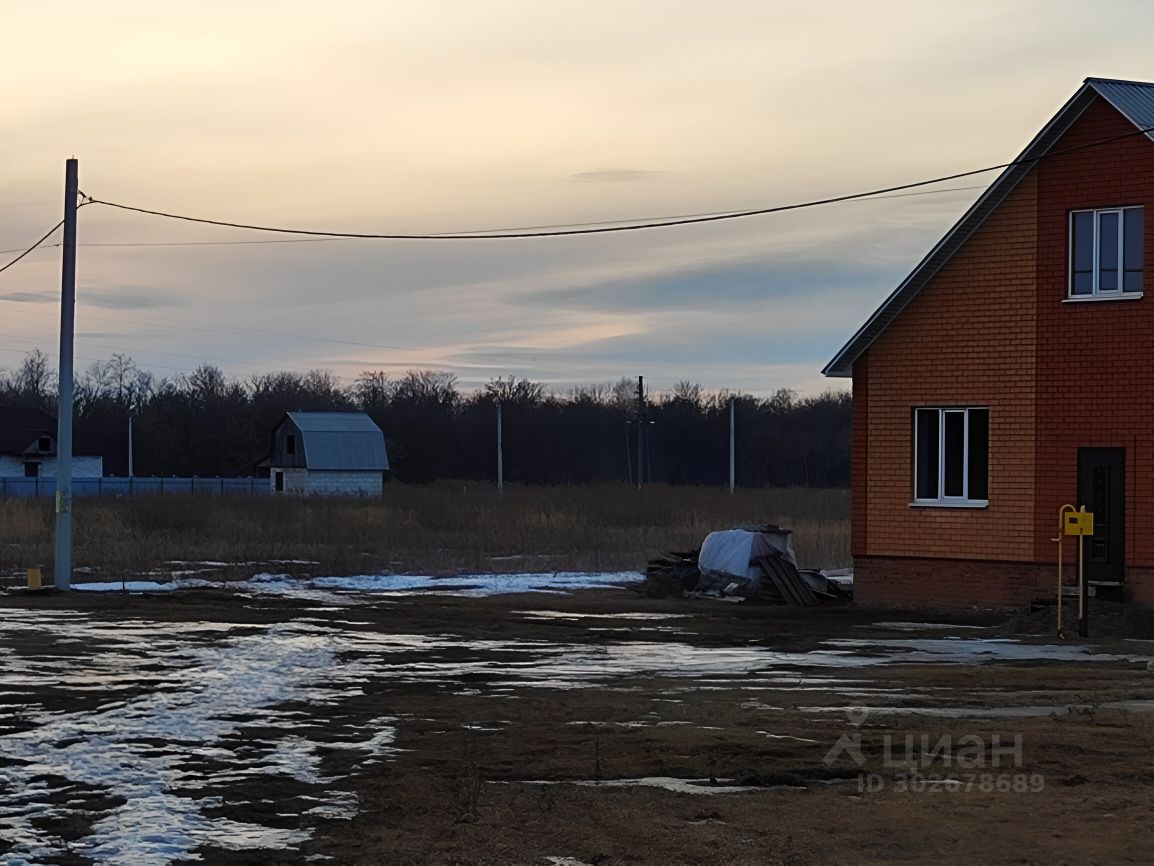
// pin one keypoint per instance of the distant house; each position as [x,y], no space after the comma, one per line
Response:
[327,453]
[28,447]
[1010,375]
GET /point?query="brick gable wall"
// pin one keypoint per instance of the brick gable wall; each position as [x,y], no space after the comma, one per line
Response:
[967,339]
[1095,359]
[991,329]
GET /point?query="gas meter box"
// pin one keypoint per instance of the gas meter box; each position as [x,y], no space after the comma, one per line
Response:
[1079,523]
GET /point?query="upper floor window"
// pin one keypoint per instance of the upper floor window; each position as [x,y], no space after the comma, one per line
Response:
[290,444]
[951,456]
[1105,252]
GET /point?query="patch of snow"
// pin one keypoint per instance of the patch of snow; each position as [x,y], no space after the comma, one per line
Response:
[150,746]
[338,589]
[145,585]
[479,584]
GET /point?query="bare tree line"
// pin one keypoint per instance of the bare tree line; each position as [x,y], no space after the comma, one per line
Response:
[206,423]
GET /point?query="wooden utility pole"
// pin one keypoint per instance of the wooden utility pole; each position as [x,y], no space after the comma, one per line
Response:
[62,573]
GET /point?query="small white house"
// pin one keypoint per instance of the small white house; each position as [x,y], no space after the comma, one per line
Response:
[328,454]
[28,447]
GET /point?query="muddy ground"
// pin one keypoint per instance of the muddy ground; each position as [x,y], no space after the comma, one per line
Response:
[440,729]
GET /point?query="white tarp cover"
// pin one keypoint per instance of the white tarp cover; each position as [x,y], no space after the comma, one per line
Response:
[731,552]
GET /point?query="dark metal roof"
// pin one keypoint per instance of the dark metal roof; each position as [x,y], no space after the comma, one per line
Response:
[341,441]
[21,428]
[1134,99]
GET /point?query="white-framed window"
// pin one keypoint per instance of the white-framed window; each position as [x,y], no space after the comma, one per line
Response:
[951,456]
[1106,252]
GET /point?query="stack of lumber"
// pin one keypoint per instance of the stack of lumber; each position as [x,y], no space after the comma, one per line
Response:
[782,583]
[672,575]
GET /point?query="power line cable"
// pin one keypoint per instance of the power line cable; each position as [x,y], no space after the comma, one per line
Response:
[691,215]
[43,238]
[607,229]
[511,229]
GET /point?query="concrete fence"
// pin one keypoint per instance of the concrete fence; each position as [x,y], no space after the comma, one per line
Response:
[140,486]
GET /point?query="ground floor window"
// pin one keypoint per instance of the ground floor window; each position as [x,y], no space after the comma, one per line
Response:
[951,456]
[31,469]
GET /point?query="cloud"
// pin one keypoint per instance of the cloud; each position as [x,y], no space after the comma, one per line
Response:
[30,297]
[753,285]
[700,108]
[113,300]
[618,175]
[127,299]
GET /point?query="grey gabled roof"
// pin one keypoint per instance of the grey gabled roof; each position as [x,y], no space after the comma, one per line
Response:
[1135,101]
[341,441]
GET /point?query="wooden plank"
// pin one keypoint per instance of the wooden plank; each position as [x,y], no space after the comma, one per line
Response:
[784,576]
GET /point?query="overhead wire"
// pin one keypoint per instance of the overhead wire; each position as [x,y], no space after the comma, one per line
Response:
[556,230]
[658,223]
[333,240]
[43,238]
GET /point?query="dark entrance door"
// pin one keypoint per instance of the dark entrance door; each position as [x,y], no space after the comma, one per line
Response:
[1102,489]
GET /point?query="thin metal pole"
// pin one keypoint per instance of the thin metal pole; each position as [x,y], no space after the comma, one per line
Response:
[628,455]
[1083,601]
[130,473]
[62,575]
[732,457]
[640,431]
[500,453]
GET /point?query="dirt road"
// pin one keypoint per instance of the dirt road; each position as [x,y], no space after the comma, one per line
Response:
[601,726]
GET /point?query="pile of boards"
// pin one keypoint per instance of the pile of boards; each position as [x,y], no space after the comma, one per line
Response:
[754,563]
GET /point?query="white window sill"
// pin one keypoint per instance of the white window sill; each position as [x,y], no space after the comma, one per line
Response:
[1116,296]
[942,503]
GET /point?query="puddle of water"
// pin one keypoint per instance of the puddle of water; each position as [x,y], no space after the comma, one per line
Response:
[923,626]
[973,650]
[668,783]
[787,737]
[1012,712]
[558,614]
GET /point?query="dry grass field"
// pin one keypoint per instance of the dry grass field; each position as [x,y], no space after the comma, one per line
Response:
[441,528]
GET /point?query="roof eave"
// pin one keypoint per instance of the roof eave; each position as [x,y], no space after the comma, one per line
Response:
[841,365]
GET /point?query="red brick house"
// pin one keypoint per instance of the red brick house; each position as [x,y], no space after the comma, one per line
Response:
[1013,372]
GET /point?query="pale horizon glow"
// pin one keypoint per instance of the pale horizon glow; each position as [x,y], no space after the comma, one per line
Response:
[428,118]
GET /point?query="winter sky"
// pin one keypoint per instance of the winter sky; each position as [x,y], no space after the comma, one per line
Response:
[391,116]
